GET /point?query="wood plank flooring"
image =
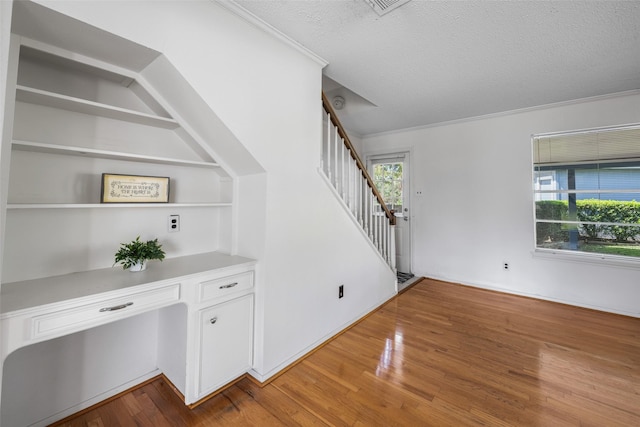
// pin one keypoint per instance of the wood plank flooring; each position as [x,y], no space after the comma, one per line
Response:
[439,354]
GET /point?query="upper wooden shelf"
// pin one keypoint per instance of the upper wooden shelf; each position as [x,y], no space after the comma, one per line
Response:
[105,154]
[78,105]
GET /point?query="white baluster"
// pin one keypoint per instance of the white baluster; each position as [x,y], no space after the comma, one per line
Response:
[386,238]
[392,260]
[367,203]
[328,171]
[383,230]
[376,229]
[340,168]
[383,223]
[373,220]
[350,183]
[359,197]
[356,170]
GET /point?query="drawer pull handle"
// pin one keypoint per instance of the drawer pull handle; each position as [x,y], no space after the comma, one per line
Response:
[230,285]
[213,320]
[116,307]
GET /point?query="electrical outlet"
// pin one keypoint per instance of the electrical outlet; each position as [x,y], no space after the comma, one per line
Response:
[340,291]
[505,265]
[174,223]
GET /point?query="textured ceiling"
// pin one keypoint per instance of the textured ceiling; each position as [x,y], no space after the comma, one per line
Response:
[434,61]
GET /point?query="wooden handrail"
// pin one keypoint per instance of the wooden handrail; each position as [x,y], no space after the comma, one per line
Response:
[343,134]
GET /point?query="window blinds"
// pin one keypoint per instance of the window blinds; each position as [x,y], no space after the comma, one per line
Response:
[593,146]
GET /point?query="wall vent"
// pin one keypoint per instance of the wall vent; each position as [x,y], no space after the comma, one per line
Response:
[385,6]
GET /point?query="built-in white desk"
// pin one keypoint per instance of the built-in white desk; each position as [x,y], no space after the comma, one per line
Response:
[217,290]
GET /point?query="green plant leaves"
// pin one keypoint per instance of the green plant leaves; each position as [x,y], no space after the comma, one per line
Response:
[138,251]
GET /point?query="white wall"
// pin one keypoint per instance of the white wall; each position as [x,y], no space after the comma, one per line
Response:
[49,378]
[268,95]
[476,211]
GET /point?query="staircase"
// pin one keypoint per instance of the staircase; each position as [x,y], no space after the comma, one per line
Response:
[348,177]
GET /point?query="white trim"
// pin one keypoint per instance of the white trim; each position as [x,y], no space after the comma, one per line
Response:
[264,377]
[506,113]
[96,399]
[630,126]
[618,261]
[496,288]
[252,19]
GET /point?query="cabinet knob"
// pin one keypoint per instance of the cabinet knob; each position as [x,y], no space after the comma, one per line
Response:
[213,320]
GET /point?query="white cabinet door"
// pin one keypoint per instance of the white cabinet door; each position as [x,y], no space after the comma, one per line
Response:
[226,343]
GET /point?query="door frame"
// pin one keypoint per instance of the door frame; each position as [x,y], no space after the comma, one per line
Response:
[406,155]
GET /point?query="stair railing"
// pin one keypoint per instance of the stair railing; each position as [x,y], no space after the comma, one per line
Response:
[348,176]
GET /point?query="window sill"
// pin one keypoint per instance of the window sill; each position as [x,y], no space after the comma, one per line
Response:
[586,257]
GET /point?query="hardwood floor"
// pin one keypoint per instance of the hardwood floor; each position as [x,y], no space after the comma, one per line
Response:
[439,354]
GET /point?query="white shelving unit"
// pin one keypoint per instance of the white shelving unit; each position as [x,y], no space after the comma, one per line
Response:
[51,99]
[114,205]
[75,118]
[103,154]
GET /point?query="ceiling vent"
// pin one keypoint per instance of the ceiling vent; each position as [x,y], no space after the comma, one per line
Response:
[383,7]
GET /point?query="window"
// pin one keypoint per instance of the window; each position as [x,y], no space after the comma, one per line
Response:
[388,178]
[586,188]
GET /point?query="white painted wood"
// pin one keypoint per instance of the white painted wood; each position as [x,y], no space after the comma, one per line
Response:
[25,295]
[220,288]
[106,69]
[50,99]
[85,316]
[104,154]
[327,139]
[349,182]
[337,165]
[226,336]
[49,173]
[403,220]
[14,206]
[37,178]
[172,341]
[48,125]
[39,312]
[9,50]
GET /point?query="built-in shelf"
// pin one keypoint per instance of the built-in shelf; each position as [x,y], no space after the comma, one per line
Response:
[78,105]
[104,154]
[115,205]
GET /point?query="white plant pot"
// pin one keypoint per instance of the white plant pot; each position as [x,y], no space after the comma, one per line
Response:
[139,266]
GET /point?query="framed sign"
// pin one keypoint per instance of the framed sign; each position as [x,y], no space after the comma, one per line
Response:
[134,189]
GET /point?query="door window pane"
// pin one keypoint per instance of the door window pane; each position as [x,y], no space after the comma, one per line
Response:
[388,179]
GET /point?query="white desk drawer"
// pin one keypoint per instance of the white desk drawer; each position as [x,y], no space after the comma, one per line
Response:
[102,312]
[218,288]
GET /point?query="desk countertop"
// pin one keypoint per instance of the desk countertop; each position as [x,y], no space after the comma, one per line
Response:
[27,294]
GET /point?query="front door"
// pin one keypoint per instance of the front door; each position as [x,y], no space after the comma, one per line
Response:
[390,173]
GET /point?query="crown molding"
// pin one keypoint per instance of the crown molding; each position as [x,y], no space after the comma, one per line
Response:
[252,19]
[507,113]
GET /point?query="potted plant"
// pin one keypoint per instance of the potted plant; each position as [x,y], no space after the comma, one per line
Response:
[133,255]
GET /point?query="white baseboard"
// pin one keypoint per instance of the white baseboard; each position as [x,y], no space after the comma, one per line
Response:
[302,353]
[96,399]
[497,288]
